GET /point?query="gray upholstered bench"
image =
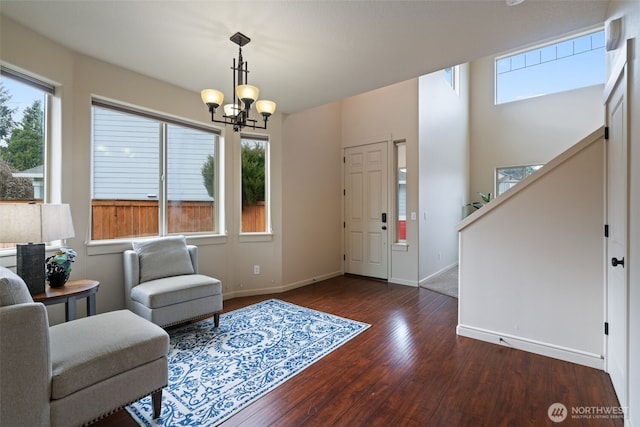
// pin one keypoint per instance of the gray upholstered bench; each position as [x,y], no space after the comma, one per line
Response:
[162,283]
[75,372]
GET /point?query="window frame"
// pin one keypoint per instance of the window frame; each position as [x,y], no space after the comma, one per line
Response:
[164,121]
[48,92]
[536,167]
[554,42]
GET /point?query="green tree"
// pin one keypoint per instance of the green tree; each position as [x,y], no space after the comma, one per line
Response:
[6,113]
[209,175]
[24,147]
[13,188]
[253,170]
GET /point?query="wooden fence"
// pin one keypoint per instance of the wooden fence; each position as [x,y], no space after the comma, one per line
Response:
[116,219]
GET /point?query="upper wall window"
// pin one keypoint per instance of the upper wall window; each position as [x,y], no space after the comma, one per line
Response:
[151,175]
[254,157]
[560,66]
[451,76]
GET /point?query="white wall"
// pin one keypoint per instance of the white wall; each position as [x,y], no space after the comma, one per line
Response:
[530,131]
[312,190]
[390,114]
[630,13]
[532,261]
[444,176]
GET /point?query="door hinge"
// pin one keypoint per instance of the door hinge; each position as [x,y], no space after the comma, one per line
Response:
[606,132]
[606,328]
[344,257]
[344,225]
[344,192]
[344,159]
[606,230]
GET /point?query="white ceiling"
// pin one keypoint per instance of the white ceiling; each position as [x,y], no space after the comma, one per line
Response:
[303,53]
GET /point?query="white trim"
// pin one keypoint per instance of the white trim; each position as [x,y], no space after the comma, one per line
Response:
[279,289]
[614,75]
[538,347]
[437,273]
[404,282]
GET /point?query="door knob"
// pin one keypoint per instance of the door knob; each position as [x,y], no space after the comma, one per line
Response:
[384,227]
[616,262]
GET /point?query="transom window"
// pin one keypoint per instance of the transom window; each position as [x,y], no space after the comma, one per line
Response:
[564,65]
[151,175]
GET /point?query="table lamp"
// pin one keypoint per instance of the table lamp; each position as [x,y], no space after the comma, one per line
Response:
[34,223]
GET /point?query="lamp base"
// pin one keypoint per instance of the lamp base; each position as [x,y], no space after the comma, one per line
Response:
[30,266]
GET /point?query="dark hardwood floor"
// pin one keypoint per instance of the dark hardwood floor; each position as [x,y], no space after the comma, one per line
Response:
[411,369]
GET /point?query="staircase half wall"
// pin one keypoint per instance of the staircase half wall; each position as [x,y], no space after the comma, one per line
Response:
[532,261]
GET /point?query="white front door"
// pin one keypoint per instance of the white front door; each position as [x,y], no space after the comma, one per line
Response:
[366,221]
[617,284]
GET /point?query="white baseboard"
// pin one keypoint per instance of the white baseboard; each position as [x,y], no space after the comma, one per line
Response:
[437,273]
[405,282]
[279,289]
[545,349]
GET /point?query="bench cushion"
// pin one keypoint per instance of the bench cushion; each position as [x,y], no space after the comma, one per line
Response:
[174,290]
[95,348]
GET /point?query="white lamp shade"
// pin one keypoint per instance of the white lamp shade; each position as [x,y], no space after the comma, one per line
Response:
[231,110]
[29,222]
[266,108]
[212,96]
[247,93]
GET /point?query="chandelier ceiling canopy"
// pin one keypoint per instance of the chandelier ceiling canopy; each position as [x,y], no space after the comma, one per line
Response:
[244,96]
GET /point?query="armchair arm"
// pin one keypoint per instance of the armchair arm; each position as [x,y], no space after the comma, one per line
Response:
[131,272]
[193,253]
[25,365]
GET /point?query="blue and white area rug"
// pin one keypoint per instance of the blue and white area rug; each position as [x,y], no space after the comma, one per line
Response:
[214,373]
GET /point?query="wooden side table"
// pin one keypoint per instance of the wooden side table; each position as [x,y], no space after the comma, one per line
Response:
[68,294]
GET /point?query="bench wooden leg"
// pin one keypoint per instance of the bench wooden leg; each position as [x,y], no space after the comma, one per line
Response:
[216,319]
[156,399]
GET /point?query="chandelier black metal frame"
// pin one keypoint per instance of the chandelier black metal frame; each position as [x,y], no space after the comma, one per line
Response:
[244,96]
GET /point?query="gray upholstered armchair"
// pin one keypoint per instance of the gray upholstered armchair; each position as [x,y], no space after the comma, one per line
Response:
[76,372]
[162,283]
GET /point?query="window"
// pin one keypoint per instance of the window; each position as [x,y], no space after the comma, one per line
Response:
[568,64]
[151,175]
[510,176]
[24,102]
[254,157]
[401,191]
[451,76]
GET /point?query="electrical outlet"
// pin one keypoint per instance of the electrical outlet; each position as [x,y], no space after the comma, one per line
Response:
[256,269]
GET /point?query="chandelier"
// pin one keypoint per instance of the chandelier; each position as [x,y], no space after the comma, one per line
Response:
[244,95]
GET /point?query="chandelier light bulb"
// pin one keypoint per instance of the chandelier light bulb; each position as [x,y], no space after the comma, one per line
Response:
[247,94]
[266,108]
[211,97]
[231,110]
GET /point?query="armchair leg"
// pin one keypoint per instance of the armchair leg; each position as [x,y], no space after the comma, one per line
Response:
[216,319]
[156,400]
